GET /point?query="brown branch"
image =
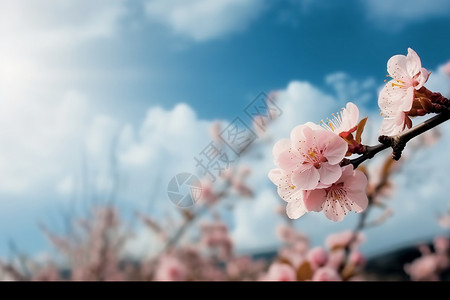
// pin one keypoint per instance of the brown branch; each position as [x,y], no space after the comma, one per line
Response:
[399,141]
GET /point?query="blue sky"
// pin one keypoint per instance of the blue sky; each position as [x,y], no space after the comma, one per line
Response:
[76,74]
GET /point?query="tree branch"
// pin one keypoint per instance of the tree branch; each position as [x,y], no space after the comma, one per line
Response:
[399,141]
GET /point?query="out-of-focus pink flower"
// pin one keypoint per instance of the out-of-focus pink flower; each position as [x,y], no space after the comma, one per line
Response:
[441,244]
[214,131]
[342,239]
[326,274]
[336,258]
[280,272]
[357,259]
[294,257]
[423,268]
[208,195]
[347,194]
[170,268]
[446,68]
[397,96]
[311,157]
[344,121]
[317,257]
[444,221]
[216,237]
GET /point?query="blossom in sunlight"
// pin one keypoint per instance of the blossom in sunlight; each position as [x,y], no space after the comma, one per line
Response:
[347,194]
[397,97]
[310,159]
[280,272]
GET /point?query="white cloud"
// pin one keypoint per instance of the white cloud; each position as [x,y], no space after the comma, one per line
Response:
[396,14]
[204,19]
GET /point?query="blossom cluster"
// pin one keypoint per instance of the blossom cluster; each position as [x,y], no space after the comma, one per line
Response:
[312,172]
[309,175]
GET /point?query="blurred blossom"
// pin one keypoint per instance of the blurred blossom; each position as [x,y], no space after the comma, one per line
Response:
[170,268]
[214,131]
[317,257]
[423,268]
[280,272]
[357,259]
[208,195]
[336,258]
[446,68]
[441,244]
[326,274]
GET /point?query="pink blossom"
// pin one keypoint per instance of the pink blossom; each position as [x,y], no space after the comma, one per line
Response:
[446,68]
[208,195]
[441,244]
[397,96]
[423,268]
[347,194]
[280,272]
[311,157]
[344,121]
[317,257]
[444,221]
[336,258]
[326,274]
[170,268]
[357,259]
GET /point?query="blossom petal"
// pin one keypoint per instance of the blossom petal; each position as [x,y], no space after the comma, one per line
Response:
[286,190]
[315,199]
[413,63]
[281,146]
[306,179]
[329,174]
[295,209]
[333,211]
[358,200]
[335,147]
[390,127]
[422,78]
[356,191]
[397,69]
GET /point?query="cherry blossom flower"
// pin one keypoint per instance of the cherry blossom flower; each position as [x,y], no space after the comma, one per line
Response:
[311,157]
[345,121]
[280,272]
[317,257]
[347,194]
[397,97]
